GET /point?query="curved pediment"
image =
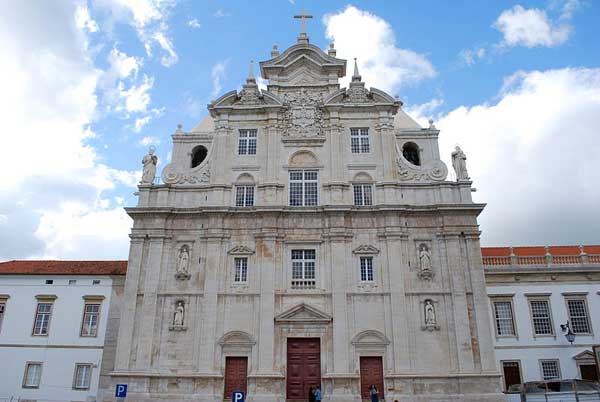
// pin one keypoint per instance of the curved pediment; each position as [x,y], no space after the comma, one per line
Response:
[370,338]
[366,249]
[241,250]
[303,313]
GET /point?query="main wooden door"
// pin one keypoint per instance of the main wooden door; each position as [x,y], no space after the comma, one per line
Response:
[371,373]
[236,375]
[303,366]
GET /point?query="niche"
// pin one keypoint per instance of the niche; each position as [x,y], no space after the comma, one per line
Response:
[410,151]
[198,155]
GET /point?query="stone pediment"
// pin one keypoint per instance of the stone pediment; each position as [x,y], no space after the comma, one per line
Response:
[370,338]
[359,95]
[366,249]
[303,314]
[249,97]
[241,250]
[585,355]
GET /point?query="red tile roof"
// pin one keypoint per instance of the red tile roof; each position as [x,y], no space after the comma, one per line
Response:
[61,267]
[530,251]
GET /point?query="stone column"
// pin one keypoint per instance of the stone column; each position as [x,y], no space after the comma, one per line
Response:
[396,267]
[385,127]
[215,264]
[268,250]
[127,320]
[148,316]
[456,272]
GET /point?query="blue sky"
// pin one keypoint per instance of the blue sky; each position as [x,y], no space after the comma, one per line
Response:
[88,85]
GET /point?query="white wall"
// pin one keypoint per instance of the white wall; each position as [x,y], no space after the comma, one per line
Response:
[62,348]
[528,349]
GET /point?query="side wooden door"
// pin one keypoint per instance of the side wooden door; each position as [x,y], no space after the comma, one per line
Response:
[236,375]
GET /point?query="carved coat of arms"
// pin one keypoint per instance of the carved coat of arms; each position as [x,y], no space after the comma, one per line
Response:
[303,116]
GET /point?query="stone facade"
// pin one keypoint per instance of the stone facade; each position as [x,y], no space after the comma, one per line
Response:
[420,305]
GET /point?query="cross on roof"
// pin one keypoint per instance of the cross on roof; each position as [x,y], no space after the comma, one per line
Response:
[302,17]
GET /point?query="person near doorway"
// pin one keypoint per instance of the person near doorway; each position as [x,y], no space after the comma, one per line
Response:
[311,394]
[318,394]
[374,393]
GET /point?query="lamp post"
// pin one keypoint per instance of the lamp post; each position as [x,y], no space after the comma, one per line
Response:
[569,334]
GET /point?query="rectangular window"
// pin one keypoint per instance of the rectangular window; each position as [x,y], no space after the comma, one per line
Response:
[244,196]
[541,317]
[43,314]
[83,374]
[503,314]
[366,269]
[2,309]
[578,316]
[303,269]
[33,374]
[241,270]
[550,370]
[363,194]
[247,142]
[359,140]
[91,316]
[303,187]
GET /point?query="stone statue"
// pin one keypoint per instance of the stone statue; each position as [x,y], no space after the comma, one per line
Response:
[184,261]
[149,167]
[178,316]
[459,164]
[424,259]
[430,320]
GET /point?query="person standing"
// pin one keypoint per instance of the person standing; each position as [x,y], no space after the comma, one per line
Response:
[374,393]
[318,394]
[311,394]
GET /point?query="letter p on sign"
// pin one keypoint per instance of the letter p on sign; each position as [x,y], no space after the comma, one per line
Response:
[237,396]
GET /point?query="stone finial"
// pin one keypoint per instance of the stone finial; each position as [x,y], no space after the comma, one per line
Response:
[179,128]
[251,79]
[274,51]
[356,76]
[332,52]
[431,125]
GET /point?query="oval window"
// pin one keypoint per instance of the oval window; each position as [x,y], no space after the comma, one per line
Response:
[410,151]
[198,155]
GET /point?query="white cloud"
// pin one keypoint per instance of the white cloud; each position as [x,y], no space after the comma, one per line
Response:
[149,140]
[137,98]
[472,56]
[218,75]
[194,23]
[166,44]
[49,100]
[83,20]
[371,39]
[220,13]
[122,65]
[533,157]
[531,28]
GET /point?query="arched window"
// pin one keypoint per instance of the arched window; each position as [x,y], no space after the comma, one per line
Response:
[198,155]
[410,151]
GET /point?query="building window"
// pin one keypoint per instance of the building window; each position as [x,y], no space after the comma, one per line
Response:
[72,281]
[541,317]
[96,282]
[49,281]
[247,142]
[550,370]
[578,316]
[2,309]
[244,196]
[512,373]
[505,325]
[303,187]
[359,140]
[363,194]
[91,316]
[83,374]
[366,269]
[33,374]
[241,270]
[303,269]
[43,314]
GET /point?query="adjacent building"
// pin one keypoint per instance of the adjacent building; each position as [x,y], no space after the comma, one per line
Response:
[538,295]
[58,321]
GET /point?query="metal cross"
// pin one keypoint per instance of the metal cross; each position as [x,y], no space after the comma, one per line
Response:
[302,17]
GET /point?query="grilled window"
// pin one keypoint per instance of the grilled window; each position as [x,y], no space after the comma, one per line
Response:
[366,269]
[550,369]
[505,325]
[363,194]
[303,268]
[542,320]
[359,140]
[241,270]
[41,323]
[91,317]
[244,196]
[303,187]
[247,142]
[578,316]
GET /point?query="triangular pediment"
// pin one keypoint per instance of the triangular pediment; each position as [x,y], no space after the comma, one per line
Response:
[303,313]
[585,355]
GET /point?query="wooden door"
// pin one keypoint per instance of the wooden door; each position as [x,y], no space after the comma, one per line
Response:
[588,372]
[371,373]
[236,375]
[512,373]
[303,366]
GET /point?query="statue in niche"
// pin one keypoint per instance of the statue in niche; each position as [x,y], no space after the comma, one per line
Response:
[459,164]
[424,258]
[183,263]
[430,319]
[178,316]
[149,167]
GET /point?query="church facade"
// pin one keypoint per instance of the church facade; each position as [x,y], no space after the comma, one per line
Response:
[303,236]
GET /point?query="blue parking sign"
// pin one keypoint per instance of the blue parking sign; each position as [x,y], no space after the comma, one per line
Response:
[238,396]
[121,390]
